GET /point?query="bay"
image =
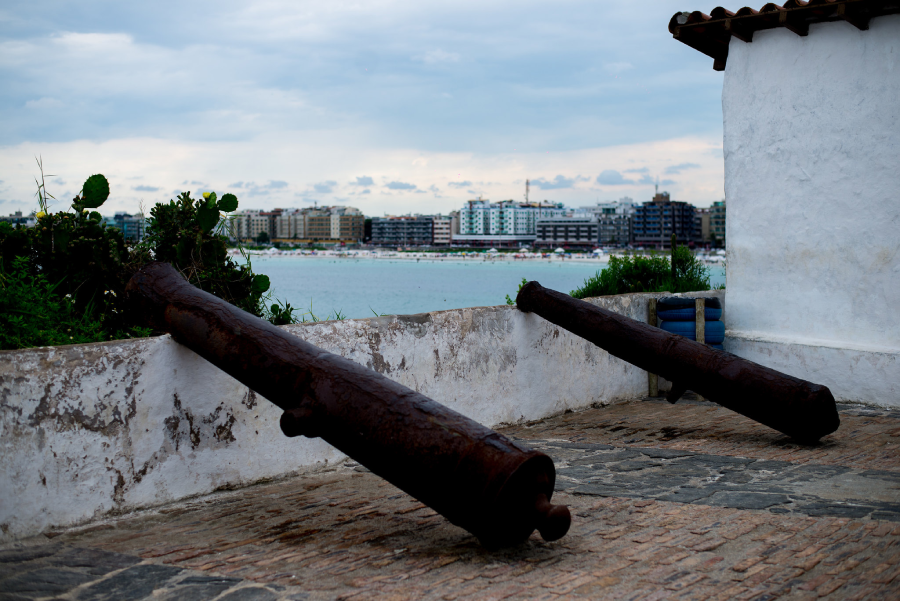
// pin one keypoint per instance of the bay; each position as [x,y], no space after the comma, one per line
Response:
[356,288]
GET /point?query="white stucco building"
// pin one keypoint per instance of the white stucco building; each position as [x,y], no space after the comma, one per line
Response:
[811,105]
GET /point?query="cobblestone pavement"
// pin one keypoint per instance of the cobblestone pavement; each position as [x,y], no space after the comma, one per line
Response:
[689,501]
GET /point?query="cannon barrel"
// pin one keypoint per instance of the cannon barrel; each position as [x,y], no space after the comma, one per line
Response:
[800,409]
[476,478]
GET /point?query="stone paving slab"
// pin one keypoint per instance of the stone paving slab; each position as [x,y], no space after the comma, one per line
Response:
[346,534]
[868,438]
[737,482]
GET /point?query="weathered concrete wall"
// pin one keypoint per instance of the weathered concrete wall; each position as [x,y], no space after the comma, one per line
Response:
[90,429]
[857,375]
[812,135]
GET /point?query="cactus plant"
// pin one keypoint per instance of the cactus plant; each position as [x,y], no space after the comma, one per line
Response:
[94,192]
[183,232]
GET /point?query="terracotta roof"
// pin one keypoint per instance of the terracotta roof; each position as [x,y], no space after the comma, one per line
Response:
[710,34]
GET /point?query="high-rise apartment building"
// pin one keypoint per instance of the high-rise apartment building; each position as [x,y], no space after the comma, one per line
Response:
[717,222]
[403,230]
[442,227]
[454,224]
[504,223]
[322,224]
[18,219]
[291,225]
[132,226]
[655,221]
[613,220]
[701,223]
[249,223]
[581,232]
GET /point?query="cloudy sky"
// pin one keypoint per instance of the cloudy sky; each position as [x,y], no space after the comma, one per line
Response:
[389,106]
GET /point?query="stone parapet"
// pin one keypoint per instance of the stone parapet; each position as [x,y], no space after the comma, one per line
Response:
[96,429]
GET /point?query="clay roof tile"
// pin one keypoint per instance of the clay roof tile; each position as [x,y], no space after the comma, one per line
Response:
[711,34]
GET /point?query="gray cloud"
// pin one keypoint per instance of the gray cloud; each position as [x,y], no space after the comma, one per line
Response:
[400,186]
[464,184]
[675,169]
[557,183]
[611,177]
[145,189]
[254,189]
[366,191]
[324,187]
[363,180]
[121,77]
[639,170]
[136,64]
[650,181]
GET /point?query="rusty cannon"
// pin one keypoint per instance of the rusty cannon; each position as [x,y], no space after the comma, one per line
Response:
[476,478]
[800,409]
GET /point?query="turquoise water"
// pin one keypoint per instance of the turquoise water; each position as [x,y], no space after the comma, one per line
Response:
[359,287]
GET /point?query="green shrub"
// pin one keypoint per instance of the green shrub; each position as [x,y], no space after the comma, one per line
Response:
[33,313]
[186,233]
[77,254]
[647,274]
[64,279]
[512,301]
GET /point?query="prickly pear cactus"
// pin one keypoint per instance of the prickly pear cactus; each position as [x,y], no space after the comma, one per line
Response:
[94,192]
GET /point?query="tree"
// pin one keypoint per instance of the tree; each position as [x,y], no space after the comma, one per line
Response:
[262,238]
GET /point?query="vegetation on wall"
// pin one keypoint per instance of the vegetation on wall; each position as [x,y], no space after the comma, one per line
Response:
[34,313]
[647,274]
[188,233]
[63,280]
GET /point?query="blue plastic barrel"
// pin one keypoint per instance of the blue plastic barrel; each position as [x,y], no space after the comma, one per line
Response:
[715,330]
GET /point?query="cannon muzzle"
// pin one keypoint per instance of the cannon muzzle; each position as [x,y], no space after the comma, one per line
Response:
[800,409]
[478,479]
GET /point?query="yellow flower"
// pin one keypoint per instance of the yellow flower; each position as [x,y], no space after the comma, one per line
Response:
[206,195]
[40,214]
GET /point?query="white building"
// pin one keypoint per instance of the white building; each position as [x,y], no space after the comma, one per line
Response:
[441,230]
[291,224]
[614,219]
[811,104]
[245,223]
[504,223]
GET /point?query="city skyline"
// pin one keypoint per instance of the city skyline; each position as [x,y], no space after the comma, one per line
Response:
[386,107]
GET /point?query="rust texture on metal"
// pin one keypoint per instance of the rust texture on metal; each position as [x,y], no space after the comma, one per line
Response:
[800,409]
[478,479]
[652,378]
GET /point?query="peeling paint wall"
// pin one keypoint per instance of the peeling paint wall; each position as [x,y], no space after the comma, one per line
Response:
[89,430]
[812,136]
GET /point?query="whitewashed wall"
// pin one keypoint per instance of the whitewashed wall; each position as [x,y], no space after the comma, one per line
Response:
[812,180]
[88,430]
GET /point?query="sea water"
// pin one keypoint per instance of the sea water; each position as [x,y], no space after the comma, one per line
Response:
[366,287]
